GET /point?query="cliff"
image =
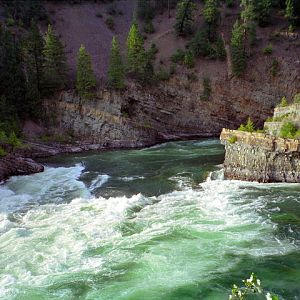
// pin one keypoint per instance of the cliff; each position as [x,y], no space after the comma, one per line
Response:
[260,157]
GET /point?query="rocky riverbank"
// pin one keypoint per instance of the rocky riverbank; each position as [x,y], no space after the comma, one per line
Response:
[260,157]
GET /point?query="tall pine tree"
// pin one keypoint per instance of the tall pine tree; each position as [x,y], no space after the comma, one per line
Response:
[238,54]
[136,56]
[54,66]
[116,68]
[85,77]
[184,17]
[33,65]
[211,13]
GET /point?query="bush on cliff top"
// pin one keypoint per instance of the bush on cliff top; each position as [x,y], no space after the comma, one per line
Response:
[288,130]
[248,127]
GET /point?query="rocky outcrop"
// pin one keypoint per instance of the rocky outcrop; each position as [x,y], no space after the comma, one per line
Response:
[12,165]
[260,157]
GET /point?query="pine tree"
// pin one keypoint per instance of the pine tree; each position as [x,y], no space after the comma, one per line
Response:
[210,13]
[33,63]
[238,55]
[144,10]
[136,56]
[184,17]
[116,68]
[262,10]
[85,77]
[54,66]
[289,12]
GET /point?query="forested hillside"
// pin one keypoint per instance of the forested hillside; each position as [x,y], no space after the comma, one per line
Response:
[49,46]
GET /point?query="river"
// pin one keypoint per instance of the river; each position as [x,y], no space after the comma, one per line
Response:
[151,224]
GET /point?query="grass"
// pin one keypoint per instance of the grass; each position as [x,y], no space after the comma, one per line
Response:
[232,139]
[2,152]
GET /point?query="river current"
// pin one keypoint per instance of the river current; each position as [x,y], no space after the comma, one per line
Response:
[151,224]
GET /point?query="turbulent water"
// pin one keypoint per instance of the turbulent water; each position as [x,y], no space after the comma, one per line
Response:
[151,224]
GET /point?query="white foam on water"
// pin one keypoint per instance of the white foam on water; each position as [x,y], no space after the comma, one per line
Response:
[131,178]
[188,234]
[99,181]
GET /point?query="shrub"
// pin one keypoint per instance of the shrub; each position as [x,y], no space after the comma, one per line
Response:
[99,15]
[296,98]
[200,45]
[2,152]
[220,49]
[148,27]
[206,89]
[268,49]
[248,127]
[13,140]
[189,59]
[274,67]
[162,75]
[110,23]
[178,56]
[283,102]
[10,21]
[3,137]
[288,130]
[232,139]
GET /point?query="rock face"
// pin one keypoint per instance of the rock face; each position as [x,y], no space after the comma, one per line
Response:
[260,157]
[12,165]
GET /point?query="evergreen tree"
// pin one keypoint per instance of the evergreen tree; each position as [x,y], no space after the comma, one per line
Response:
[116,69]
[33,63]
[144,10]
[289,12]
[262,10]
[210,13]
[54,66]
[11,72]
[85,77]
[136,56]
[238,55]
[184,17]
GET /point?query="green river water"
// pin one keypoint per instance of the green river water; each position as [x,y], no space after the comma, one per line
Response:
[151,224]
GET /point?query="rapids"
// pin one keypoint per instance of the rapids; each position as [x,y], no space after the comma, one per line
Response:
[155,224]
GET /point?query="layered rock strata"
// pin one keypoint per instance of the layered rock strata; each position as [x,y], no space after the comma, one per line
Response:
[260,157]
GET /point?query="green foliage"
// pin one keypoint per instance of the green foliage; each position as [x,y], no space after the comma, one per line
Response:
[296,98]
[152,51]
[33,65]
[24,11]
[252,34]
[288,130]
[10,21]
[289,11]
[13,140]
[189,59]
[162,75]
[220,49]
[116,68]
[268,49]
[232,139]
[54,65]
[85,77]
[248,127]
[200,44]
[210,11]
[148,26]
[2,152]
[206,94]
[283,102]
[136,55]
[110,23]
[184,17]
[144,10]
[237,50]
[274,67]
[178,56]
[252,286]
[12,81]
[262,10]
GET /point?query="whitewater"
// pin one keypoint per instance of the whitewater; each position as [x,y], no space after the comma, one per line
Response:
[157,223]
